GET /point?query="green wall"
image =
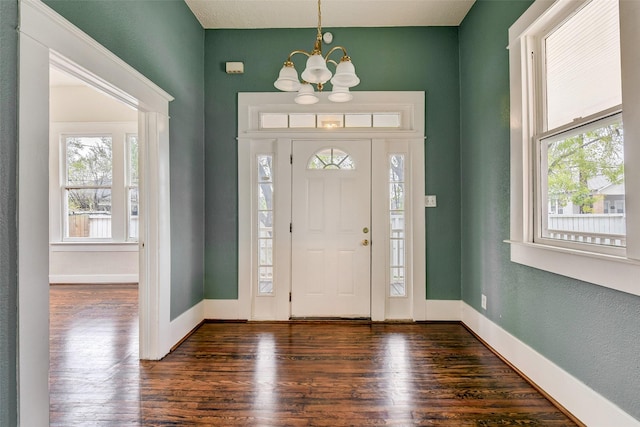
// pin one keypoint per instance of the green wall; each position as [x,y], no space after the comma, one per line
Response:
[8,226]
[590,331]
[164,41]
[411,59]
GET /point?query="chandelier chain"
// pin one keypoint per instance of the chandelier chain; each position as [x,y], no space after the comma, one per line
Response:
[319,20]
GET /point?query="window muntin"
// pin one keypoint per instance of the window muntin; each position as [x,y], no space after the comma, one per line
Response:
[87,187]
[582,151]
[331,159]
[397,217]
[265,212]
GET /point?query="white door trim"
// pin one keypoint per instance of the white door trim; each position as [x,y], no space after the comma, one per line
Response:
[250,136]
[42,31]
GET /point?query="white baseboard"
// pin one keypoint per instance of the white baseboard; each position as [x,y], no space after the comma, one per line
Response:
[93,278]
[583,402]
[183,324]
[222,309]
[444,310]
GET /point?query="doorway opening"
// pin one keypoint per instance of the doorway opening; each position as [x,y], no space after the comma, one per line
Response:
[46,38]
[93,250]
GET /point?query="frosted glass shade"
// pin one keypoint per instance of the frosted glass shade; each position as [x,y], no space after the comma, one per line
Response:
[345,75]
[306,95]
[288,79]
[316,70]
[340,94]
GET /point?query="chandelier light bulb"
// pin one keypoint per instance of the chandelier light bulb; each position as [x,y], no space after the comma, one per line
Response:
[306,95]
[340,94]
[345,74]
[288,78]
[316,70]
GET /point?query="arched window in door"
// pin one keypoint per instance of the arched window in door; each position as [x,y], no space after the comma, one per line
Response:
[331,158]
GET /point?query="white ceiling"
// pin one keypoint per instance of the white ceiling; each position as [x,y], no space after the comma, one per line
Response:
[214,14]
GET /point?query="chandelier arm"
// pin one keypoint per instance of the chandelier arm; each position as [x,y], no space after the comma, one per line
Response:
[296,52]
[333,49]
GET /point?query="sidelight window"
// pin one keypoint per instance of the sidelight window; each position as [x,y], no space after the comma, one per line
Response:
[397,187]
[265,212]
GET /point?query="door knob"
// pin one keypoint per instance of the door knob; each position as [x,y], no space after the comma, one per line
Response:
[365,242]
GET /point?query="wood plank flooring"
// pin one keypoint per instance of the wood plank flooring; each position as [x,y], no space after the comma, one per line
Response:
[277,374]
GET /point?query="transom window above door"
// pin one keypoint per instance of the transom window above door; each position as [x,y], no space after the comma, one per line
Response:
[330,121]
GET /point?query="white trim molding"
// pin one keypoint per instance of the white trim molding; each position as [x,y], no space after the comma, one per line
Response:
[581,401]
[443,310]
[45,38]
[223,309]
[182,325]
[80,55]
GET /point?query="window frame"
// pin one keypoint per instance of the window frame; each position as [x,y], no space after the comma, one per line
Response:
[130,186]
[527,108]
[119,132]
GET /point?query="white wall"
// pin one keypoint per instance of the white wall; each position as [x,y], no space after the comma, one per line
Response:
[79,262]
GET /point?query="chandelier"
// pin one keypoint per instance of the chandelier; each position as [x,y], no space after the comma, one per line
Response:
[316,72]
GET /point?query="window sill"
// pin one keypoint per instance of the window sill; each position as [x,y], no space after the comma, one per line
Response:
[93,246]
[610,271]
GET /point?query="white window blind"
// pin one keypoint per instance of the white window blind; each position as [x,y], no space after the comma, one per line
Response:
[583,64]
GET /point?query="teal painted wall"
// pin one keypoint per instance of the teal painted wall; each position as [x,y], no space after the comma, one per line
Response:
[412,59]
[8,226]
[164,41]
[590,331]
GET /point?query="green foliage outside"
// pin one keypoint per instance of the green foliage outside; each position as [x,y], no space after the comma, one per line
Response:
[89,173]
[573,162]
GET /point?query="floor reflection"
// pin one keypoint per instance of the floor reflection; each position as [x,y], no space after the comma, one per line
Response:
[265,375]
[398,376]
[93,354]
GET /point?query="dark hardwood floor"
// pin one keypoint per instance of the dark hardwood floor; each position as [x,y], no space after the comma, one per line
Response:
[277,374]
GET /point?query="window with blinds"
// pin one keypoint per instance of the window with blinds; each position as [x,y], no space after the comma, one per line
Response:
[581,144]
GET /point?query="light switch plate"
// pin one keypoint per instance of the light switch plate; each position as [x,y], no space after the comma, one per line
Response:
[430,201]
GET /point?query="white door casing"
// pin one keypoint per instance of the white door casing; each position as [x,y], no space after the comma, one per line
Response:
[46,37]
[331,219]
[254,140]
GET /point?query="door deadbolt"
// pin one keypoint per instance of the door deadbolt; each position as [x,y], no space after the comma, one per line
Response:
[365,230]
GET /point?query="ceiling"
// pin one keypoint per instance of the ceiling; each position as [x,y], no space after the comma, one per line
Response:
[241,14]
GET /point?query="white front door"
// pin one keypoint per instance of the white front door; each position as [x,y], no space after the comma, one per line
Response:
[331,221]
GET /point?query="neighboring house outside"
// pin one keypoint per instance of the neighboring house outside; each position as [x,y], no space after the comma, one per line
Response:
[607,216]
